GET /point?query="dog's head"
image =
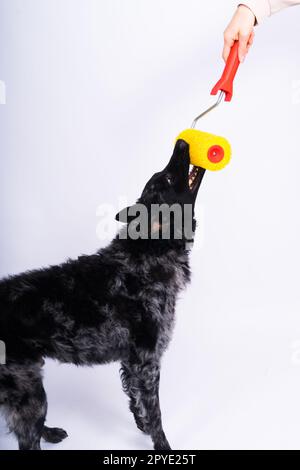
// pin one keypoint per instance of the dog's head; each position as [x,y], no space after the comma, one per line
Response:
[165,209]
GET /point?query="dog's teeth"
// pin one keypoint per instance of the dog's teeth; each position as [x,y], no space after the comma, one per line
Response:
[192,176]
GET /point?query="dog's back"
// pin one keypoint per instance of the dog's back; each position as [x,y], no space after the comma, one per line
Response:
[86,310]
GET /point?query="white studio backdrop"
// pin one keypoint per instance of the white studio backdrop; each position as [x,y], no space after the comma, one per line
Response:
[95,93]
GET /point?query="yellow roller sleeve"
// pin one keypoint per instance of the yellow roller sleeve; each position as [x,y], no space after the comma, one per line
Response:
[209,151]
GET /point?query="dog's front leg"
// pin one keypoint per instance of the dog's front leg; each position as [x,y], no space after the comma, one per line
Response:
[132,388]
[141,383]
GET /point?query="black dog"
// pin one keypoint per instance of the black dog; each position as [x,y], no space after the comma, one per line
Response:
[116,305]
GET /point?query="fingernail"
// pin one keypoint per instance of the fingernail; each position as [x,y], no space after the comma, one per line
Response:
[242,58]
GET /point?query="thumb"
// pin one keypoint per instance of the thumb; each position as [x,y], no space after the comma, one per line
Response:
[243,44]
[228,43]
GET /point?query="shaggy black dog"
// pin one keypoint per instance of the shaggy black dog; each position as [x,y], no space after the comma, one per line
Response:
[115,305]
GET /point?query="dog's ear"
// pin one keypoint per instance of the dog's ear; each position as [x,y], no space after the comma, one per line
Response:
[128,214]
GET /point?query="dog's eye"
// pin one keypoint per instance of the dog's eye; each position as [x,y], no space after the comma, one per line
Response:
[168,179]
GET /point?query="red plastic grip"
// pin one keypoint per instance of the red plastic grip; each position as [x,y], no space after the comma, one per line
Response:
[226,81]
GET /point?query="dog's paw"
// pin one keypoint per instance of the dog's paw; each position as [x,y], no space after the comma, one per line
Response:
[162,445]
[54,435]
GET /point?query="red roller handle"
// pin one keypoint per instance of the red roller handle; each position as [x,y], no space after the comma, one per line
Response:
[226,81]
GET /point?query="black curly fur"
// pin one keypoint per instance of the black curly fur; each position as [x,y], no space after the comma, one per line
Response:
[115,305]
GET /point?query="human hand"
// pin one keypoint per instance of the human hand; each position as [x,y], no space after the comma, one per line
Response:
[240,28]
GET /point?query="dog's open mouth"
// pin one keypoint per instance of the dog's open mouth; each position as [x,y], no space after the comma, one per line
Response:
[195,176]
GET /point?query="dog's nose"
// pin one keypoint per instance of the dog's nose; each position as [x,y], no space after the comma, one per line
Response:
[181,146]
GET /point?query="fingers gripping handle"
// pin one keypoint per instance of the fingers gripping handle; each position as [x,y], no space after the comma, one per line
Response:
[226,81]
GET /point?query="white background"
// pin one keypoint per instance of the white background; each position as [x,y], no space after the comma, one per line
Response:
[96,92]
